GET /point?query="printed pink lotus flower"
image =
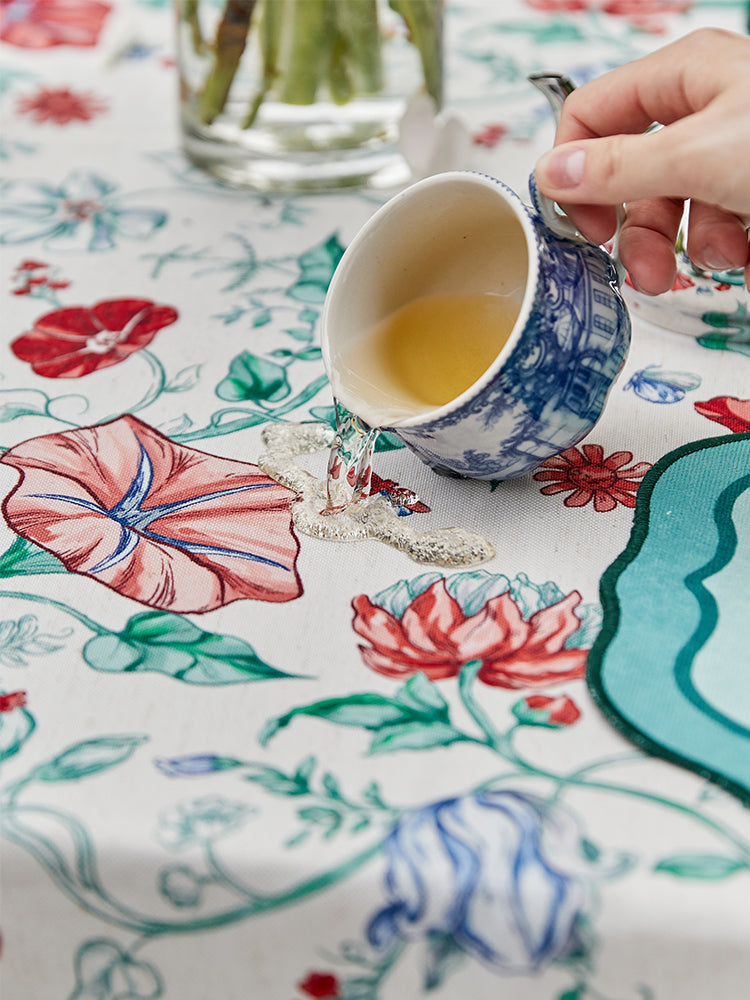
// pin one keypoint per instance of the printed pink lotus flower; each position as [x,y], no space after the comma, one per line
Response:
[727,410]
[41,24]
[165,525]
[434,636]
[76,341]
[587,476]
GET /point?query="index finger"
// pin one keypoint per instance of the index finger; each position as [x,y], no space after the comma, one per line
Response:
[664,86]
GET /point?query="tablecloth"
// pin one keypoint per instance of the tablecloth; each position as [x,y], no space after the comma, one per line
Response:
[239,761]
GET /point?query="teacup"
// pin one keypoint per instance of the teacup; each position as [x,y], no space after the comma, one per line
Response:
[443,244]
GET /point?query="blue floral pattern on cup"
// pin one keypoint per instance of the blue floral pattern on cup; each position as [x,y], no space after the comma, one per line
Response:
[552,389]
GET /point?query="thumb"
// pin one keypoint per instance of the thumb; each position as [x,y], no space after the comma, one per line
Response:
[612,169]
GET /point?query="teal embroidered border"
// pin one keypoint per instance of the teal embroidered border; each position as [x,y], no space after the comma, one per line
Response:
[612,611]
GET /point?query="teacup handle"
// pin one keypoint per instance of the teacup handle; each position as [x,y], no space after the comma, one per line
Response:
[556,87]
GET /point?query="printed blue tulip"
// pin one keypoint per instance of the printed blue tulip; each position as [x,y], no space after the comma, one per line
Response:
[498,873]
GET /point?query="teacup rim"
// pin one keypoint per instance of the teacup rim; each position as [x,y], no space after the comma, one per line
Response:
[525,219]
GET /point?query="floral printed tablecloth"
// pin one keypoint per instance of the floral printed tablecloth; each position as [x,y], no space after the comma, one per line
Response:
[241,762]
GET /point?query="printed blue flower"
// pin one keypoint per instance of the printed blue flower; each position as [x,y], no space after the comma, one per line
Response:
[81,213]
[499,874]
[194,764]
[657,385]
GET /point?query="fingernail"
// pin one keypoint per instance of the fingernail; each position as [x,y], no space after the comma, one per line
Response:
[564,169]
[715,260]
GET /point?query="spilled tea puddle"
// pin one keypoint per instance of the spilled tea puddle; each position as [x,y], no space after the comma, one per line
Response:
[363,517]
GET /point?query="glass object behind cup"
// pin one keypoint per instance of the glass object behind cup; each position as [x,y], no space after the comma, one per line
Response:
[296,95]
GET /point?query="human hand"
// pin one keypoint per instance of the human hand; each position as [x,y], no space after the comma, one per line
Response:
[697,88]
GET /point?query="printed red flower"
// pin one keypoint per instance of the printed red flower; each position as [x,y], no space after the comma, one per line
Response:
[542,710]
[434,636]
[490,135]
[41,24]
[559,6]
[34,278]
[727,410]
[588,475]
[321,986]
[60,105]
[165,525]
[12,700]
[648,15]
[645,14]
[644,8]
[75,341]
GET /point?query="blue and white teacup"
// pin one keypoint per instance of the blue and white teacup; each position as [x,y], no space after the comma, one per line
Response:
[465,233]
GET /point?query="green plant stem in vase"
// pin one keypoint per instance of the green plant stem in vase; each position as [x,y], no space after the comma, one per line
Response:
[231,38]
[308,93]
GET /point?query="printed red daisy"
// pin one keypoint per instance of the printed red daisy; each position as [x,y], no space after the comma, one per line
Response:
[586,475]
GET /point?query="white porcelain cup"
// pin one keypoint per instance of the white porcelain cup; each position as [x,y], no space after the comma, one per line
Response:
[462,233]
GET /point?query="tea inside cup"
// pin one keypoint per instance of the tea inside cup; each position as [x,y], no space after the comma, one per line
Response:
[428,299]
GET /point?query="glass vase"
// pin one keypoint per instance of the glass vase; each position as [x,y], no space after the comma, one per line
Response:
[302,95]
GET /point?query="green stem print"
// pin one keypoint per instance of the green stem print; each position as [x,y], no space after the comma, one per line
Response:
[70,859]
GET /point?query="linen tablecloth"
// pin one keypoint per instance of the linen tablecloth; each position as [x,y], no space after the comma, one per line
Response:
[238,761]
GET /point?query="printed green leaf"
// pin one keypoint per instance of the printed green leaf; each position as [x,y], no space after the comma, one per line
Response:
[331,786]
[262,318]
[422,695]
[368,711]
[589,850]
[23,558]
[15,728]
[328,819]
[304,772]
[171,644]
[316,270]
[252,377]
[278,783]
[415,736]
[101,964]
[88,757]
[373,796]
[704,866]
[186,378]
[304,334]
[309,354]
[555,30]
[416,718]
